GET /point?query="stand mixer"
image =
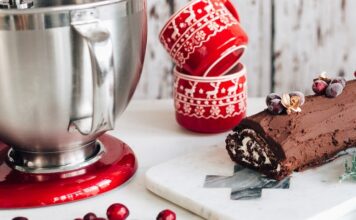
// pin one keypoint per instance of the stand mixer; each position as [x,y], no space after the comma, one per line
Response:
[68,69]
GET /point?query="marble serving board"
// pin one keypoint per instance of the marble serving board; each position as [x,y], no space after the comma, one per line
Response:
[211,186]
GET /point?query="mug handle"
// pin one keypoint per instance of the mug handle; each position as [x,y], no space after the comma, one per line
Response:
[230,6]
[98,40]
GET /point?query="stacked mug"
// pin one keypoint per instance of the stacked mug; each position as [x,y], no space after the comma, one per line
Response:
[206,41]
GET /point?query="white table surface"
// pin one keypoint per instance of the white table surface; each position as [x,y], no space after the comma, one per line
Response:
[149,127]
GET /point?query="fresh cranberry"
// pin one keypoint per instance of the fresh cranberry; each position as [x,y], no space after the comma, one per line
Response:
[166,215]
[89,216]
[117,211]
[20,218]
[271,97]
[100,219]
[275,107]
[319,87]
[340,80]
[355,74]
[78,219]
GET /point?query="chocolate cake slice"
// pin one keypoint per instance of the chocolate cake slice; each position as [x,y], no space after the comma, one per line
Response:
[277,145]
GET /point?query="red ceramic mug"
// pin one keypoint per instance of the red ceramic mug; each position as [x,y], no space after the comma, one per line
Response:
[210,104]
[205,38]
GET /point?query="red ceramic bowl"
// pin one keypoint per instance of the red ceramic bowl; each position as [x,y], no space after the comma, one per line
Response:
[205,38]
[210,104]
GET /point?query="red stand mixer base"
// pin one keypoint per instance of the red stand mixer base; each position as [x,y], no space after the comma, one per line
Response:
[24,190]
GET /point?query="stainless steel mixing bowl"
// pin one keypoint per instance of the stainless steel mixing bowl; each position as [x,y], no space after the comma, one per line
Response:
[68,68]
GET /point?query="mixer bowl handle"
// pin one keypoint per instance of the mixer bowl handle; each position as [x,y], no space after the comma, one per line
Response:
[97,37]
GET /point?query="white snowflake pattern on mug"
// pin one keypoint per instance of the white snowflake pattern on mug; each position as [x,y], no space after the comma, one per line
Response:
[187,108]
[180,58]
[189,46]
[225,20]
[242,105]
[200,35]
[213,26]
[199,110]
[230,109]
[215,110]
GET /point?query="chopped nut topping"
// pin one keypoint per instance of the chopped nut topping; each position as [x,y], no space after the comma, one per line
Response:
[291,103]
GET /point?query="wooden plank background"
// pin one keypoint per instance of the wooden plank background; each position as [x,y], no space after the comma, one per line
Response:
[290,42]
[311,36]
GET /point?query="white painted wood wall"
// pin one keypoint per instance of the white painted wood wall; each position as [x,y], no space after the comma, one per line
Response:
[290,42]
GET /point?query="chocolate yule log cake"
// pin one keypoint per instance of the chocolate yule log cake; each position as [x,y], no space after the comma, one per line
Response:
[277,145]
